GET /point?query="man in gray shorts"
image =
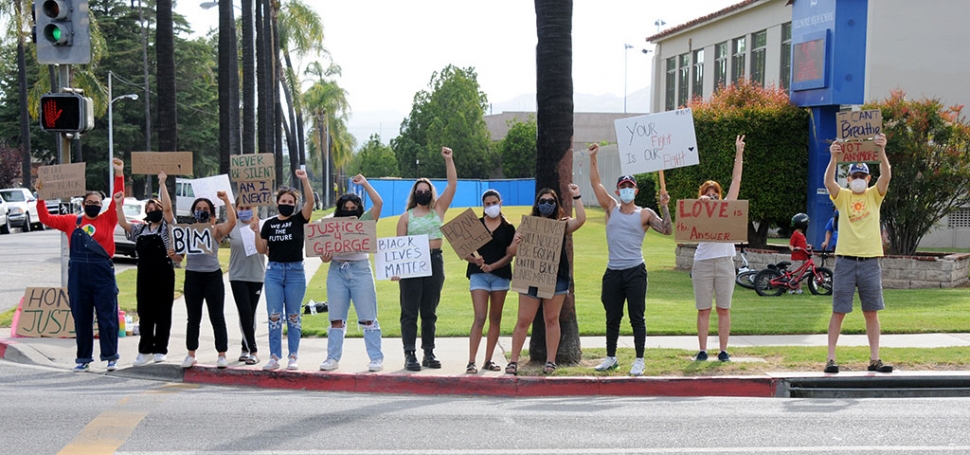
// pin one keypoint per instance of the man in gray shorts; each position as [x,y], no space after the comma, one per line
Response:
[858,251]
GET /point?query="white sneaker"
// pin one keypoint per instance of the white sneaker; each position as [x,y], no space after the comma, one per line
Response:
[608,363]
[329,365]
[291,364]
[222,362]
[189,362]
[159,358]
[142,359]
[375,365]
[273,364]
[637,368]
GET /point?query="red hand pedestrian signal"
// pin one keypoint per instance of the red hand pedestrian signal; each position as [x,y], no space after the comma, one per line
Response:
[51,113]
[66,113]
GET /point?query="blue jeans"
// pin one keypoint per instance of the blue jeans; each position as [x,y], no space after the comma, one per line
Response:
[352,281]
[284,287]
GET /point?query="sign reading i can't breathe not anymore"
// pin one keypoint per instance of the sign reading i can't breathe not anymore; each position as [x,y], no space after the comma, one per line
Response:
[46,312]
[656,142]
[707,220]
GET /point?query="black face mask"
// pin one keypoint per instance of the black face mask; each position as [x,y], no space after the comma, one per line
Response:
[92,211]
[422,198]
[202,216]
[286,209]
[154,216]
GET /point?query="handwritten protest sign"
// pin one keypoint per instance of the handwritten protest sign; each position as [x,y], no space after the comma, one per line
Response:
[537,260]
[407,257]
[46,312]
[857,125]
[656,142]
[340,235]
[466,233]
[248,238]
[171,163]
[61,181]
[199,238]
[706,220]
[256,193]
[208,187]
[860,152]
[253,167]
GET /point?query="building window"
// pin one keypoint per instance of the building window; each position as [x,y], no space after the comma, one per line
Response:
[698,87]
[959,219]
[720,65]
[671,86]
[759,43]
[785,76]
[683,80]
[738,50]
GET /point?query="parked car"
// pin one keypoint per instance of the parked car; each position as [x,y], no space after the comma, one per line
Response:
[21,209]
[135,214]
[5,226]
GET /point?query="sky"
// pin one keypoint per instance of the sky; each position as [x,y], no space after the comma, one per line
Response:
[388,50]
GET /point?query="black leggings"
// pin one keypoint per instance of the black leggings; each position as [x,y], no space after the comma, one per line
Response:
[630,285]
[421,296]
[155,292]
[246,294]
[207,287]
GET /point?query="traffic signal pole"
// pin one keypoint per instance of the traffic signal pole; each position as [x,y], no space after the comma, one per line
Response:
[63,157]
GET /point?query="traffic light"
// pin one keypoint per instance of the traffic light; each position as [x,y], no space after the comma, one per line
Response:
[63,32]
[66,113]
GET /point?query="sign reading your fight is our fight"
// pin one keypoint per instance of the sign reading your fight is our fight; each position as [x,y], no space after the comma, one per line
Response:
[656,142]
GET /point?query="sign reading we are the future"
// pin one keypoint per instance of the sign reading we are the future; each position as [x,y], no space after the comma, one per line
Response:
[655,142]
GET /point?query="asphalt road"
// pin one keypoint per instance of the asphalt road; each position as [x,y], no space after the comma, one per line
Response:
[33,259]
[48,411]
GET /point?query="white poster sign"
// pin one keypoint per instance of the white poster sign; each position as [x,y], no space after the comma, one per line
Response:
[406,257]
[656,142]
[207,187]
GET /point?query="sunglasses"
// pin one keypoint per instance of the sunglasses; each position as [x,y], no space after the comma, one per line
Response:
[547,201]
[421,192]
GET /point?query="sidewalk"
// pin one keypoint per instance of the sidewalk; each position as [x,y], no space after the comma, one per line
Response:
[453,353]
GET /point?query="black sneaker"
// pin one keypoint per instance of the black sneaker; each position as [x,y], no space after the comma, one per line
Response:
[723,356]
[831,367]
[429,360]
[879,367]
[411,361]
[701,356]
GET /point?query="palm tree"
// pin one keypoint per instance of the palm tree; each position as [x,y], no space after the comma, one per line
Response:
[228,86]
[301,33]
[248,79]
[554,158]
[165,58]
[326,104]
[18,14]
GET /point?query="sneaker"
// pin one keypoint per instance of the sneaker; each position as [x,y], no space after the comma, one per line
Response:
[795,291]
[291,364]
[879,367]
[273,364]
[113,365]
[375,365]
[637,368]
[723,356]
[159,358]
[141,359]
[82,367]
[329,365]
[701,356]
[222,362]
[608,363]
[189,362]
[831,367]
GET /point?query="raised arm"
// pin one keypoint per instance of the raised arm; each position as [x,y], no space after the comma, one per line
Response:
[308,197]
[738,163]
[166,200]
[575,223]
[444,201]
[831,184]
[261,246]
[885,170]
[223,229]
[660,224]
[602,196]
[375,199]
[119,199]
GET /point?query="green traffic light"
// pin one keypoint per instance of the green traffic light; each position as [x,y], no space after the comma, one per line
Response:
[56,34]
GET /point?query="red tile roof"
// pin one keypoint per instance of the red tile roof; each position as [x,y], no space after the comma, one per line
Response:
[701,20]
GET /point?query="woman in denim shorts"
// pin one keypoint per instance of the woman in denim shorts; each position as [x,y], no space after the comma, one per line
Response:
[489,274]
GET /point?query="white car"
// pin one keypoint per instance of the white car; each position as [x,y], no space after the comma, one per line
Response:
[135,214]
[5,226]
[21,210]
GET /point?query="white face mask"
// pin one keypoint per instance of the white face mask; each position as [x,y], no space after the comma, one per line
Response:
[493,211]
[858,185]
[627,195]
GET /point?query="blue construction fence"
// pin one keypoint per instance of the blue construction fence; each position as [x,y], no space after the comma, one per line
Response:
[395,192]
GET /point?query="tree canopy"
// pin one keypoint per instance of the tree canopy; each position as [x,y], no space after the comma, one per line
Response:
[374,159]
[518,149]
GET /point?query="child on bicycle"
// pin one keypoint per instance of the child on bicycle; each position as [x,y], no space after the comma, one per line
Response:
[798,245]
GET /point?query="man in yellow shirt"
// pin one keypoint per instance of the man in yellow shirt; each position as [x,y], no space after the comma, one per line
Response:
[858,251]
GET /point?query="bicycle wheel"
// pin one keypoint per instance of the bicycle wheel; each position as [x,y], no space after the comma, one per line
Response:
[763,286]
[821,282]
[746,279]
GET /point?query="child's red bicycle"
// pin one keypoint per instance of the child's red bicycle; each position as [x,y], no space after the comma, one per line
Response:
[776,279]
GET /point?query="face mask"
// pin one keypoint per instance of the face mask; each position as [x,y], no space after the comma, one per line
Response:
[547,208]
[858,185]
[154,216]
[286,209]
[202,216]
[628,194]
[92,211]
[245,215]
[422,198]
[493,211]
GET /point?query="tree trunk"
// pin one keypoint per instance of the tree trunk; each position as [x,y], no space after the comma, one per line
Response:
[554,158]
[228,87]
[148,92]
[292,132]
[262,82]
[22,95]
[165,56]
[249,80]
[272,94]
[298,108]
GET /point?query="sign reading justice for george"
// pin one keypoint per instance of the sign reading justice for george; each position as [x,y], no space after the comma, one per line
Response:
[340,235]
[708,220]
[656,142]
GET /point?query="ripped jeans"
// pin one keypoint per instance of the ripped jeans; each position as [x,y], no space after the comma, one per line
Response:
[284,287]
[352,281]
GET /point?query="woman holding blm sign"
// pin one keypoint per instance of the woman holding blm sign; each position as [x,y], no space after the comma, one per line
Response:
[91,284]
[547,205]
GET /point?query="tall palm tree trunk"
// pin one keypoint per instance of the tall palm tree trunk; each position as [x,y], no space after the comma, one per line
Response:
[165,57]
[22,97]
[297,107]
[554,158]
[261,76]
[248,80]
[290,129]
[148,92]
[228,87]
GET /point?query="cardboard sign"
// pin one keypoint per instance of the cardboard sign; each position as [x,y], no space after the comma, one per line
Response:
[656,142]
[199,238]
[407,257]
[171,163]
[537,261]
[466,233]
[861,152]
[857,125]
[253,193]
[46,312]
[208,187]
[255,167]
[706,220]
[340,235]
[61,181]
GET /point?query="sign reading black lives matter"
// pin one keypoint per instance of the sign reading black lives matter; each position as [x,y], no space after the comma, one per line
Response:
[190,239]
[406,257]
[537,260]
